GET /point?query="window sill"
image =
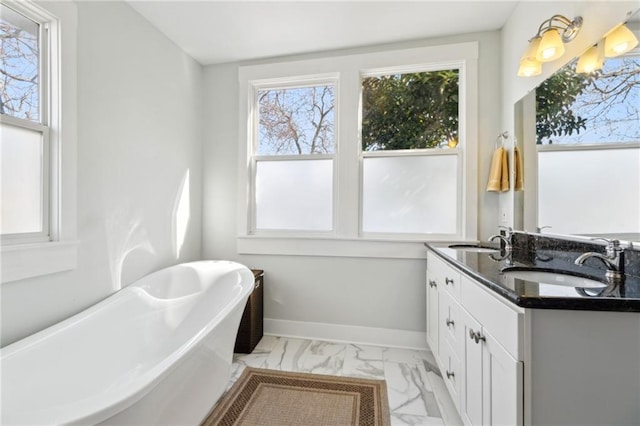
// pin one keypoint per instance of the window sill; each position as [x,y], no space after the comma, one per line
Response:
[32,260]
[333,247]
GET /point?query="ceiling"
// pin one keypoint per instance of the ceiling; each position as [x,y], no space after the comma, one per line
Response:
[214,31]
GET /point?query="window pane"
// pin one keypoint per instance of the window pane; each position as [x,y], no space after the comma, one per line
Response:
[296,121]
[601,107]
[19,91]
[416,194]
[410,111]
[294,195]
[21,185]
[577,196]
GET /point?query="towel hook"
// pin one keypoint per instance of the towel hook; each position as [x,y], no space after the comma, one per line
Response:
[501,138]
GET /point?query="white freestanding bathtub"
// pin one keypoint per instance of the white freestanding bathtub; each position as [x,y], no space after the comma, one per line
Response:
[156,352]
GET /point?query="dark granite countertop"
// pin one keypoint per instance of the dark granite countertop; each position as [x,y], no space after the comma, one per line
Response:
[487,269]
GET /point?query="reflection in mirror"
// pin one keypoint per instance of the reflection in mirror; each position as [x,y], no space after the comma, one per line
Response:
[580,135]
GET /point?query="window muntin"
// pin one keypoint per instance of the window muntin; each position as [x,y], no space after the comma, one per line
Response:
[24,124]
[293,156]
[411,173]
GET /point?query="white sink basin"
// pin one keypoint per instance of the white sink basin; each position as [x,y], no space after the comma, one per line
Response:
[552,278]
[474,248]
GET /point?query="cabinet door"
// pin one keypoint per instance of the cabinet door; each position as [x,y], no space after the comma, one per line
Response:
[451,372]
[432,313]
[502,376]
[472,400]
[492,391]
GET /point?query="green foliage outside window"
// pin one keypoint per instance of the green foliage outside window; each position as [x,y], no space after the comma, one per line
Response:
[600,107]
[554,100]
[410,111]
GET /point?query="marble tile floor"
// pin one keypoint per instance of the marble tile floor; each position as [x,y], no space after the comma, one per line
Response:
[416,391]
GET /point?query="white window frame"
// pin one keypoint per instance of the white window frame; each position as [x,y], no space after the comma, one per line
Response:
[458,151]
[45,94]
[54,250]
[348,239]
[289,83]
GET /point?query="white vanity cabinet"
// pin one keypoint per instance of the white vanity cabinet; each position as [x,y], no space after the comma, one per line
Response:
[477,341]
[573,363]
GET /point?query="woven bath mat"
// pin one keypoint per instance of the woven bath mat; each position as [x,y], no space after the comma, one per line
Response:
[278,398]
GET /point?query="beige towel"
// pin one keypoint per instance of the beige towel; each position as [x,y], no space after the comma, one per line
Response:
[499,172]
[519,172]
[504,182]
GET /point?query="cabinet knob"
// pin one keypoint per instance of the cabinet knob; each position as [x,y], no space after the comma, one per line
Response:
[448,280]
[476,336]
[450,374]
[432,283]
[449,322]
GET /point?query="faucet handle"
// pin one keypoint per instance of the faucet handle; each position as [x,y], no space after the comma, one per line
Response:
[506,228]
[540,228]
[613,245]
[612,242]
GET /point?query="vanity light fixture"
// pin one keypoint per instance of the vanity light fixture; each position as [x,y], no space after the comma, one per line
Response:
[619,41]
[548,43]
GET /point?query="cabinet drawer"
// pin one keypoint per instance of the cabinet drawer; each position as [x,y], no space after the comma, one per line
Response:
[504,322]
[446,277]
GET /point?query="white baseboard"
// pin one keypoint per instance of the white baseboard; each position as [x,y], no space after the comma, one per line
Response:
[346,333]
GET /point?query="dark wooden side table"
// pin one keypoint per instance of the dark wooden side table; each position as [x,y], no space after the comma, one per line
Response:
[251,324]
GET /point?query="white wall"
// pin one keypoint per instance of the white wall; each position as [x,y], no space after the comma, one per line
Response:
[139,133]
[599,17]
[382,293]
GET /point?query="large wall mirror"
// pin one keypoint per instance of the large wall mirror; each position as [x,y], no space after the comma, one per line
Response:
[578,136]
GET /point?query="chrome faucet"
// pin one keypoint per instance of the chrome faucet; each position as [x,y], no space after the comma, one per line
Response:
[506,240]
[613,260]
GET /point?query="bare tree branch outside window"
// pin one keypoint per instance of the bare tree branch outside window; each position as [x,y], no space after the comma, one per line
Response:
[296,121]
[19,66]
[601,107]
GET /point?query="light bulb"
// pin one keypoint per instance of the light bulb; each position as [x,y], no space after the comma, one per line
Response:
[529,68]
[619,42]
[591,60]
[551,46]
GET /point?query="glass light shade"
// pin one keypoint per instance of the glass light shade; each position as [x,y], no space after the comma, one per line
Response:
[551,46]
[591,60]
[619,42]
[532,49]
[529,68]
